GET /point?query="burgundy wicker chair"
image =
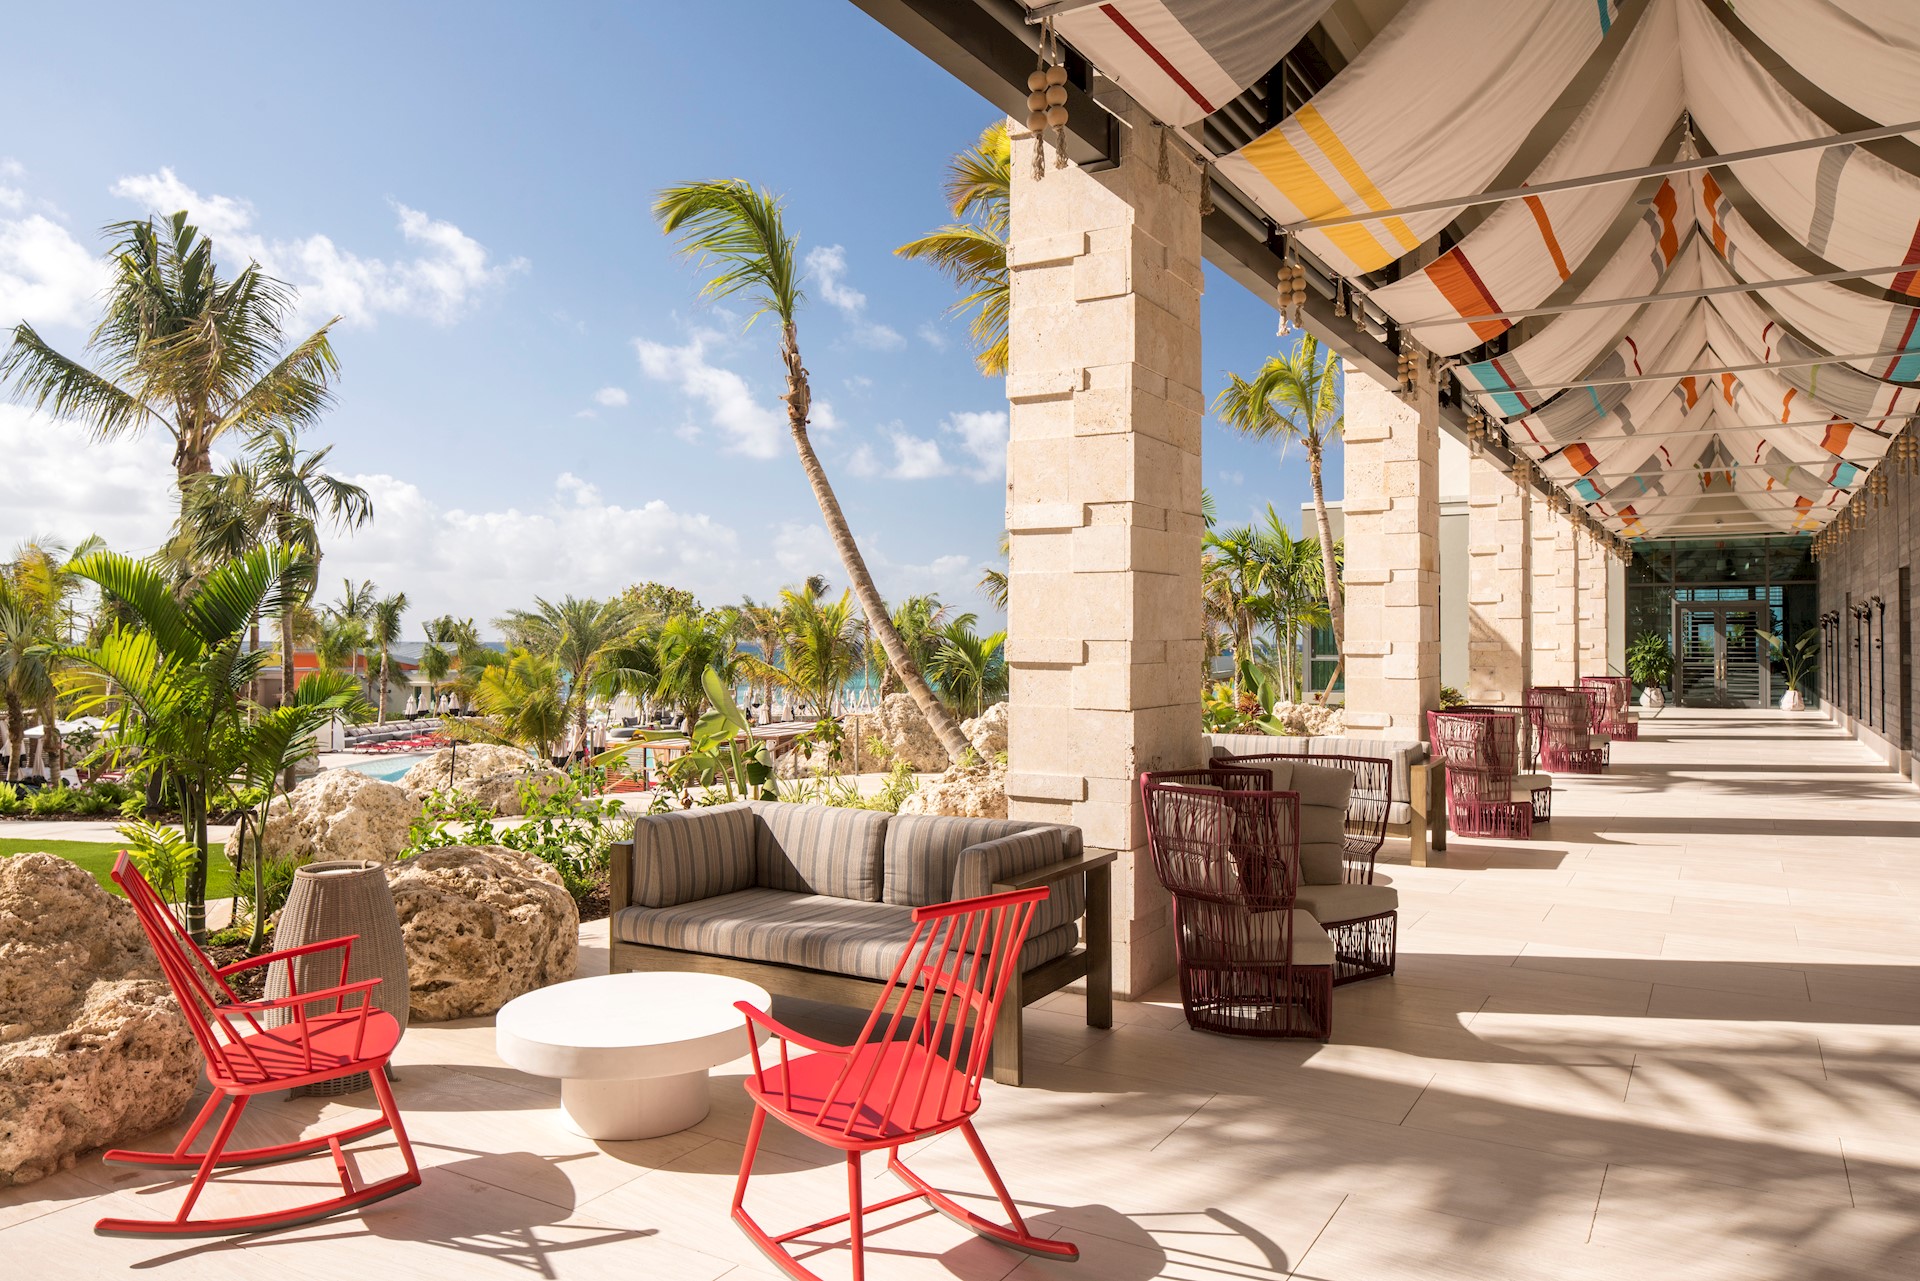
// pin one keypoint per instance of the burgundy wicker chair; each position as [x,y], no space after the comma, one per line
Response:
[1562,720]
[1616,720]
[1480,753]
[1525,749]
[1228,850]
[1363,927]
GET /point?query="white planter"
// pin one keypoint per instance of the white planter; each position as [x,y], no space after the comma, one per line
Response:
[1792,702]
[1653,696]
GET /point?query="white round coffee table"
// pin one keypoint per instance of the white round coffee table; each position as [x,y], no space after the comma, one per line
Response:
[632,1051]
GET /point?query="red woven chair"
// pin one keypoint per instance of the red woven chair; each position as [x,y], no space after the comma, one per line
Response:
[1615,715]
[1480,751]
[245,1058]
[1562,720]
[914,1071]
[1228,851]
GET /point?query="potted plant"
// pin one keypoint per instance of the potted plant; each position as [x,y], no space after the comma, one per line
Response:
[1650,664]
[1797,659]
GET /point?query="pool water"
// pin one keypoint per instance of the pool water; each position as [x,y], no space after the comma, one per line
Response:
[388,769]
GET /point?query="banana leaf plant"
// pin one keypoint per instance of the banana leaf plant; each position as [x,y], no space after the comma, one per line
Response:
[1797,657]
[724,754]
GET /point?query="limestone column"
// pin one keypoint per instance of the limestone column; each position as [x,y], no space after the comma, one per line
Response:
[1500,585]
[1103,511]
[1594,620]
[1392,572]
[1556,600]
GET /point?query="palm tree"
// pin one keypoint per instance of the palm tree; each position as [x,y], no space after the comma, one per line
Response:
[1294,594]
[764,629]
[819,648]
[739,230]
[180,349]
[435,660]
[918,619]
[973,251]
[688,647]
[175,678]
[349,620]
[993,582]
[589,641]
[522,701]
[36,587]
[1234,581]
[971,669]
[26,680]
[299,495]
[1297,397]
[383,632]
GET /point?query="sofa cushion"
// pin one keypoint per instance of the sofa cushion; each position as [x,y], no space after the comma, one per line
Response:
[1332,904]
[813,931]
[1231,937]
[924,849]
[692,854]
[819,849]
[982,866]
[1323,793]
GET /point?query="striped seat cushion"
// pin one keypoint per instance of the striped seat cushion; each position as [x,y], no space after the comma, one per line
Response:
[819,849]
[812,931]
[692,854]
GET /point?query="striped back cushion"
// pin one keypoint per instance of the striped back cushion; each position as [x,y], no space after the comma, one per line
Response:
[819,849]
[924,850]
[692,854]
[1015,854]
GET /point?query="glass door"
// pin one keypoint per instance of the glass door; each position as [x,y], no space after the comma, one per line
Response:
[1699,657]
[1743,659]
[1723,654]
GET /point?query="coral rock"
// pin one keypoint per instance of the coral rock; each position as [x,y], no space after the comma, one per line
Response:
[988,732]
[482,772]
[483,924]
[93,1049]
[341,814]
[907,735]
[979,791]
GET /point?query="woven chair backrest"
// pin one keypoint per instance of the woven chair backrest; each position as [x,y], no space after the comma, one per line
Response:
[1219,835]
[1476,742]
[1562,716]
[944,998]
[1372,794]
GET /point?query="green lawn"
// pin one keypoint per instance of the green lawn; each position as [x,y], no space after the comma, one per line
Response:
[97,857]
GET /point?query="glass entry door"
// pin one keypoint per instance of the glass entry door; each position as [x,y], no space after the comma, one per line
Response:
[1723,654]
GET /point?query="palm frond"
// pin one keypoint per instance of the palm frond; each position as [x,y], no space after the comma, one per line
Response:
[65,388]
[739,230]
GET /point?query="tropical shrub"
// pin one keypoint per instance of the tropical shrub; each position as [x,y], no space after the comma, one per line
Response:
[163,855]
[572,830]
[1650,659]
[1451,697]
[10,802]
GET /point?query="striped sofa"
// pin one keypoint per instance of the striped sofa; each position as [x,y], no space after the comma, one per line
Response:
[816,902]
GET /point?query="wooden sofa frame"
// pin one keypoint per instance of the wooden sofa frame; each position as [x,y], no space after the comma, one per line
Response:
[1091,961]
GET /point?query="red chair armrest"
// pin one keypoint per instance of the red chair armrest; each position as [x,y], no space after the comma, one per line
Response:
[287,954]
[757,1016]
[300,998]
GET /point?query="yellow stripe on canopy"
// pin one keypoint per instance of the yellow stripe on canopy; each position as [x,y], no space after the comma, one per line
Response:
[1281,164]
[1328,141]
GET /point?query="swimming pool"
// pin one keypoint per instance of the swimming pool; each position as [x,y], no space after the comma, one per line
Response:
[387,769]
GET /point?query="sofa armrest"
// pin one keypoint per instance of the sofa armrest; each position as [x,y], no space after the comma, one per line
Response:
[1054,872]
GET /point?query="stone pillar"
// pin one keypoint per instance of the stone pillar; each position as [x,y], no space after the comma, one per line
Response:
[1556,600]
[1500,586]
[1594,620]
[1392,572]
[1103,512]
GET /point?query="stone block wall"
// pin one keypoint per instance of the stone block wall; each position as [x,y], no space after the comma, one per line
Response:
[1879,557]
[1499,586]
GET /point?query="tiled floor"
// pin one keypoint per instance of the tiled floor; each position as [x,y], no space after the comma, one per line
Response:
[1675,1037]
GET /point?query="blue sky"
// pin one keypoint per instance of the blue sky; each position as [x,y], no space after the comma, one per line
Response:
[531,387]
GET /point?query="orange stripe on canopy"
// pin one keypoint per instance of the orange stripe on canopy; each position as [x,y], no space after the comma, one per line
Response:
[1463,289]
[1836,437]
[1580,458]
[1546,234]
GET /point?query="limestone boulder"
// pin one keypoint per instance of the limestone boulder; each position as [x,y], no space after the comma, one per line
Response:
[482,772]
[93,1050]
[899,724]
[977,791]
[1311,719]
[339,814]
[988,732]
[483,924]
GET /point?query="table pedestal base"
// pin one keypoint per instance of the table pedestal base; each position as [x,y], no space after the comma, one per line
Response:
[642,1109]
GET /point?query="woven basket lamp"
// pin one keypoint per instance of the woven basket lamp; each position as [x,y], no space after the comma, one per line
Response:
[331,900]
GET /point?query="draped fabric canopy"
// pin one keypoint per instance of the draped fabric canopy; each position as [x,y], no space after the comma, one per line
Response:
[1702,342]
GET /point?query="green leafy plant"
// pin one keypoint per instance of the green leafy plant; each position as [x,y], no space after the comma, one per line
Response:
[1650,659]
[10,802]
[724,758]
[1451,697]
[163,855]
[572,830]
[1797,657]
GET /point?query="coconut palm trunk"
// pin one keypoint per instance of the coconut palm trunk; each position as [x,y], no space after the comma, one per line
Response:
[1336,608]
[799,400]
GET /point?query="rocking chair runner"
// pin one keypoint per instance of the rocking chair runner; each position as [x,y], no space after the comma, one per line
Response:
[245,1058]
[914,1071]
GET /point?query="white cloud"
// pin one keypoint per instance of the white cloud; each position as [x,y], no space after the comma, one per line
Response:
[859,384]
[46,276]
[611,397]
[984,436]
[441,283]
[933,336]
[751,426]
[828,263]
[802,547]
[916,458]
[56,483]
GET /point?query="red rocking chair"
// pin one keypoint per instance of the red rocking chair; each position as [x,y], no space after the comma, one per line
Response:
[245,1058]
[914,1071]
